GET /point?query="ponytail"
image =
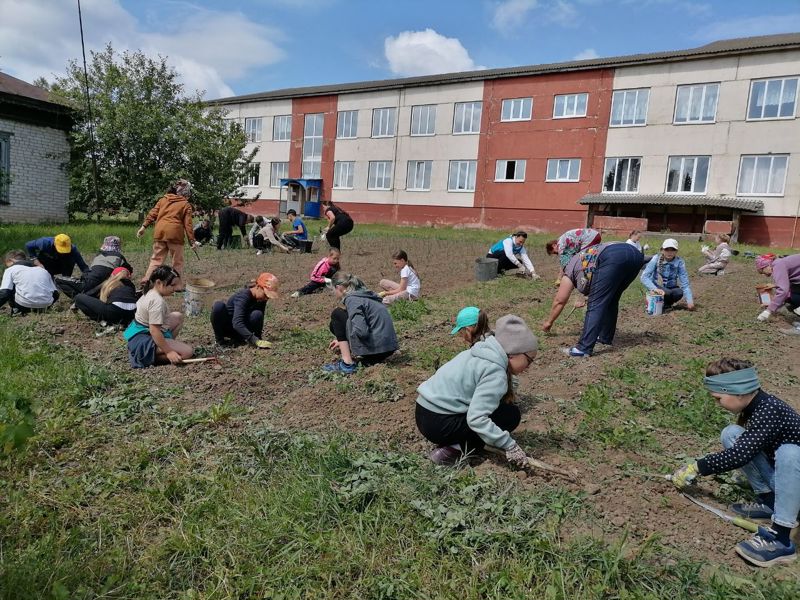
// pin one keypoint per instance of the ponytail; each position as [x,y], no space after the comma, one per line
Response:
[401,255]
[162,273]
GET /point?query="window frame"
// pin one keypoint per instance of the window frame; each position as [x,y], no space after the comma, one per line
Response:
[471,173]
[390,110]
[388,167]
[250,181]
[463,105]
[512,118]
[5,167]
[682,174]
[251,139]
[312,154]
[425,175]
[353,124]
[625,92]
[560,180]
[518,178]
[618,159]
[427,120]
[272,170]
[772,158]
[766,80]
[691,87]
[576,95]
[351,170]
[282,119]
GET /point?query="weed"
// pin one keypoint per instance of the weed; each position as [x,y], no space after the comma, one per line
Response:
[383,390]
[16,422]
[407,310]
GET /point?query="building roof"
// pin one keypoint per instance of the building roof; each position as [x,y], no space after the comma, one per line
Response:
[748,204]
[750,45]
[21,101]
[16,87]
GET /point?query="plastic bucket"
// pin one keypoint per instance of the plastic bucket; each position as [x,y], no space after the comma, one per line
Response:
[655,305]
[485,268]
[765,293]
[193,295]
[305,246]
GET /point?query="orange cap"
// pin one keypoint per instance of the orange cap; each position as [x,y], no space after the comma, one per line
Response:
[269,283]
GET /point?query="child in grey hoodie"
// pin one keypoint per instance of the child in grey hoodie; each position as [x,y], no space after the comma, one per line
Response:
[464,405]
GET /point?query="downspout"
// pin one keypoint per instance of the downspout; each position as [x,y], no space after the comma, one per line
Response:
[401,94]
[796,215]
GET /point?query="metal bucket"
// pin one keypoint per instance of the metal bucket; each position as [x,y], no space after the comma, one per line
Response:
[486,268]
[193,295]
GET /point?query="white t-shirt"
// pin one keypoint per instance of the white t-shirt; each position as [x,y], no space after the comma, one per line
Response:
[33,286]
[412,280]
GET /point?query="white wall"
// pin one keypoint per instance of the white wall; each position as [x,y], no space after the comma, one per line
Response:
[39,185]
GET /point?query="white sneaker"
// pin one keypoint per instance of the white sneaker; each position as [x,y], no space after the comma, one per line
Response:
[259,253]
[296,295]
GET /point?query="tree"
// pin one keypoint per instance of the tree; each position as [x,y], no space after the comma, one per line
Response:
[147,133]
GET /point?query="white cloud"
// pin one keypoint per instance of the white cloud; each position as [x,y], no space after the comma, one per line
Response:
[510,14]
[587,54]
[207,48]
[747,27]
[563,13]
[426,53]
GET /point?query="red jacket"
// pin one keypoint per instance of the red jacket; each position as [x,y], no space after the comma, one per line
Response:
[172,215]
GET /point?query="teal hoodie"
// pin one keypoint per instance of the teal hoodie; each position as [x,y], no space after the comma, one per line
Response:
[474,382]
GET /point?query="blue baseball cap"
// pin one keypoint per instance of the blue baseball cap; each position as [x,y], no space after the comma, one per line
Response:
[466,318]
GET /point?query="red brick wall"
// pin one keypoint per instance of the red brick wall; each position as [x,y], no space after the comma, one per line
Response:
[769,231]
[300,108]
[619,224]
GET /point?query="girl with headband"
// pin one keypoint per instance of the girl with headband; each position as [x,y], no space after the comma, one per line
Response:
[765,445]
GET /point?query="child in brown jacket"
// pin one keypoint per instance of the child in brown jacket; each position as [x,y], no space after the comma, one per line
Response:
[172,216]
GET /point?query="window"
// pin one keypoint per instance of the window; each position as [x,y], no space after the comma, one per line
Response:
[687,174]
[564,169]
[622,175]
[509,170]
[252,175]
[462,176]
[423,119]
[570,105]
[419,175]
[5,167]
[629,107]
[384,122]
[696,103]
[278,171]
[252,129]
[773,99]
[380,175]
[467,117]
[282,128]
[312,146]
[343,175]
[764,175]
[347,124]
[516,109]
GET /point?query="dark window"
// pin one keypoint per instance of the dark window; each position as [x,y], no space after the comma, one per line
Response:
[5,167]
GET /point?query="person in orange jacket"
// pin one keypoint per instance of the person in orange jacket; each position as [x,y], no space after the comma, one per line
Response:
[172,216]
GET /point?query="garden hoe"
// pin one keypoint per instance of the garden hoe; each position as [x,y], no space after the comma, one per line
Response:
[738,521]
[532,463]
[190,361]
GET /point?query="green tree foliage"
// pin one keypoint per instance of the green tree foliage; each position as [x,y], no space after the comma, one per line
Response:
[147,132]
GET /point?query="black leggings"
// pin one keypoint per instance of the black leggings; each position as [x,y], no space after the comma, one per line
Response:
[97,310]
[444,430]
[503,263]
[337,230]
[222,323]
[338,328]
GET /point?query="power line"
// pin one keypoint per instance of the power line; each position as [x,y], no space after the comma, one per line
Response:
[89,112]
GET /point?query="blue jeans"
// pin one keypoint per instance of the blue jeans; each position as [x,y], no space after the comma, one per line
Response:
[783,478]
[617,266]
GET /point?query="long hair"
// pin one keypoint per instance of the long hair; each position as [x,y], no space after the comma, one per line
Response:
[350,283]
[401,255]
[110,284]
[162,273]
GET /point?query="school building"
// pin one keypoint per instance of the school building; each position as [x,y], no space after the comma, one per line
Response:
[686,141]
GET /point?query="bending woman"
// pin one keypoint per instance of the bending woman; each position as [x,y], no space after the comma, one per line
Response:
[339,223]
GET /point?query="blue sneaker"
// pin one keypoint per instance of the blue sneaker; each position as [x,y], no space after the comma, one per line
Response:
[340,367]
[764,549]
[752,510]
[574,352]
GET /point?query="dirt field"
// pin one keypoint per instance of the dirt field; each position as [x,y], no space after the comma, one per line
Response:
[650,375]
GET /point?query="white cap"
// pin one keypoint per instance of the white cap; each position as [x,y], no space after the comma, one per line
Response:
[669,243]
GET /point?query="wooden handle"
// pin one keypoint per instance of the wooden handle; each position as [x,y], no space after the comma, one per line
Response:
[199,360]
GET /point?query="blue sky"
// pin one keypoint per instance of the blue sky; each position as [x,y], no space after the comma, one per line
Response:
[244,46]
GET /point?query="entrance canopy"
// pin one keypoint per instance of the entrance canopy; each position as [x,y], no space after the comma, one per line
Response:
[303,195]
[730,202]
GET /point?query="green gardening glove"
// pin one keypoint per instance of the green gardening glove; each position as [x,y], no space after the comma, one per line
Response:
[685,475]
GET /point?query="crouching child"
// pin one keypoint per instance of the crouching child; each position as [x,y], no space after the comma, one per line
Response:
[241,319]
[765,445]
[26,286]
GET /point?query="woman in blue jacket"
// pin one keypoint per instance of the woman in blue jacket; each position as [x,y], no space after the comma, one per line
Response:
[671,270]
[468,401]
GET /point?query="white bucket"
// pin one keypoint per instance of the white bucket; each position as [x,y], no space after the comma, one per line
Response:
[655,305]
[765,293]
[193,295]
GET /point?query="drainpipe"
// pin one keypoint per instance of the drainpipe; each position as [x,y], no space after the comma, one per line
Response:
[796,215]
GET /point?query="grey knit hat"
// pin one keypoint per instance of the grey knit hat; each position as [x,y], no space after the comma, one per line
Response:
[514,336]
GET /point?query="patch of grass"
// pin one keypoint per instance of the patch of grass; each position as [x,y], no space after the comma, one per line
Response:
[611,423]
[407,310]
[299,339]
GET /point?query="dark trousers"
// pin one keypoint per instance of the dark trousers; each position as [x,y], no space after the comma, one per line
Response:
[62,264]
[97,310]
[672,295]
[259,243]
[336,231]
[222,323]
[504,264]
[444,430]
[338,327]
[311,287]
[225,231]
[617,267]
[8,296]
[794,297]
